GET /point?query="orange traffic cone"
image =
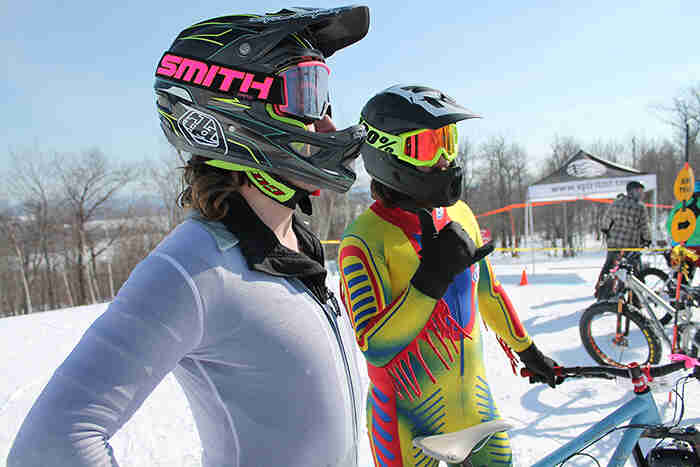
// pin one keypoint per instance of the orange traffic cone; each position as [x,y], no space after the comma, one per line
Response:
[523,278]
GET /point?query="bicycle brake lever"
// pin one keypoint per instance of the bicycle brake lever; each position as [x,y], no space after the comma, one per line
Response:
[690,362]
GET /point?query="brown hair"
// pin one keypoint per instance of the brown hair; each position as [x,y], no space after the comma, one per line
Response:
[208,188]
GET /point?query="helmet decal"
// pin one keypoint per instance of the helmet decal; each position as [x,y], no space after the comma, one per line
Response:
[202,129]
[268,185]
[431,100]
[300,14]
[220,78]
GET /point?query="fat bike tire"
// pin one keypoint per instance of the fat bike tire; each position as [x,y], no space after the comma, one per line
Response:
[637,343]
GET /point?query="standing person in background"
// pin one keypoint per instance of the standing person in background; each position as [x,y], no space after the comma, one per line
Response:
[625,224]
[415,281]
[233,301]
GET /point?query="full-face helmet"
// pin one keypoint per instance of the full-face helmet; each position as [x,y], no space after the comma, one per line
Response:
[240,91]
[409,128]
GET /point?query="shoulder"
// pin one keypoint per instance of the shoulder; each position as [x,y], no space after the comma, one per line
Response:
[462,213]
[371,227]
[461,210]
[197,244]
[203,234]
[372,235]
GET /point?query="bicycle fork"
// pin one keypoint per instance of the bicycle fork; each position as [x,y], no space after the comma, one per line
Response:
[620,334]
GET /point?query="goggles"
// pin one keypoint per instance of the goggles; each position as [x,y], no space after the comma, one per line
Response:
[422,148]
[305,87]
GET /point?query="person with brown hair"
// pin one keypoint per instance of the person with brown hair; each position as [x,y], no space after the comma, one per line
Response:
[234,300]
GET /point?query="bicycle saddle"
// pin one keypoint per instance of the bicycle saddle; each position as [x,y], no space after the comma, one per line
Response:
[455,447]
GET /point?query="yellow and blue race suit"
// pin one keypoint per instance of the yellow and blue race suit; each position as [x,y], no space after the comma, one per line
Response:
[424,356]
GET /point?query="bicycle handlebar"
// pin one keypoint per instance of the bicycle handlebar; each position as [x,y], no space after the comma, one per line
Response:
[610,372]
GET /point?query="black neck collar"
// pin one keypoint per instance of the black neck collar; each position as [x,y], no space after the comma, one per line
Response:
[264,252]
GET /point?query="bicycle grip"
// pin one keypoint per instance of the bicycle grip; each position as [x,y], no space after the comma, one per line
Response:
[525,373]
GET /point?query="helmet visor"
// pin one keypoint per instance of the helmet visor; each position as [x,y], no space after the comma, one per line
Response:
[306,92]
[422,148]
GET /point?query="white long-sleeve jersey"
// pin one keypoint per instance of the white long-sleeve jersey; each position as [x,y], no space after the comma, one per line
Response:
[268,370]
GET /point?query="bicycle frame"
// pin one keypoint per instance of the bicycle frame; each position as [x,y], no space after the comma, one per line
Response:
[646,294]
[641,410]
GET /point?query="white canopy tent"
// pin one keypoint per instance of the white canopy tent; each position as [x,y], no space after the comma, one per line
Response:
[586,176]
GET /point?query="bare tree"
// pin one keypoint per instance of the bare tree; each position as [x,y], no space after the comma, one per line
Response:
[563,149]
[331,212]
[88,183]
[610,150]
[505,178]
[555,218]
[16,231]
[164,178]
[684,116]
[469,163]
[29,179]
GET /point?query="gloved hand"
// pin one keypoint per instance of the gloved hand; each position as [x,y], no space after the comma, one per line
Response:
[606,232]
[444,255]
[541,367]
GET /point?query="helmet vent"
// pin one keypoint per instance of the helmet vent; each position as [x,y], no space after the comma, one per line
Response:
[434,102]
[417,89]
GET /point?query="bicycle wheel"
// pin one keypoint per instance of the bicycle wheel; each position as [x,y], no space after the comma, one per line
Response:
[656,280]
[635,341]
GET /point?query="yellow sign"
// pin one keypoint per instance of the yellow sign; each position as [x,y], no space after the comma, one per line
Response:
[684,184]
[682,225]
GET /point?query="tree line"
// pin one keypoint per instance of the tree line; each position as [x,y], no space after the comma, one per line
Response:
[74,225]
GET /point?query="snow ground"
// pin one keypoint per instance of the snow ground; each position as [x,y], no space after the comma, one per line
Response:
[162,432]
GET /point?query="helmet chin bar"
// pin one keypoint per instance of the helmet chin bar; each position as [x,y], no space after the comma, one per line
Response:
[435,189]
[285,193]
[277,189]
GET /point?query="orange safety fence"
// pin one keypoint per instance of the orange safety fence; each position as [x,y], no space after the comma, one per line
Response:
[547,203]
[510,207]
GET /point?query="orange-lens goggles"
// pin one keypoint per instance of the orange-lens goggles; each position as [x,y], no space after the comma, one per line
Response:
[421,148]
[426,146]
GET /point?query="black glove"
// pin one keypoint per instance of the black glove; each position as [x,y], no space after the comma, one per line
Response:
[541,367]
[444,255]
[606,232]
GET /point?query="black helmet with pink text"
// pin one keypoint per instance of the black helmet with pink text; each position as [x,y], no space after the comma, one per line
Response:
[242,90]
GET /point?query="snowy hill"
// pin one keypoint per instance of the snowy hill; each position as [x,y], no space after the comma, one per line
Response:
[162,432]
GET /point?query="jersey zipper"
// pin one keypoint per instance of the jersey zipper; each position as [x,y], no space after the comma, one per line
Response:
[333,321]
[336,328]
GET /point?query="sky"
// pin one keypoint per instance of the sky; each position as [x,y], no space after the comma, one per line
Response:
[162,432]
[79,74]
